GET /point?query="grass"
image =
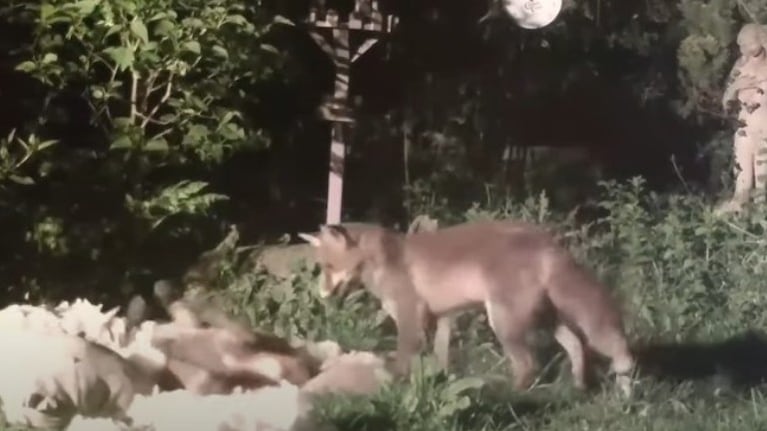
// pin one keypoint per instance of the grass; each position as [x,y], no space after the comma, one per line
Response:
[692,288]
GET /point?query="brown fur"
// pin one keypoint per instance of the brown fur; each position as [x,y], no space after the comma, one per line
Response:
[517,271]
[210,352]
[215,351]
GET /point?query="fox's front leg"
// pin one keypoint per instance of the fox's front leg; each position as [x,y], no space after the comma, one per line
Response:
[409,334]
[442,340]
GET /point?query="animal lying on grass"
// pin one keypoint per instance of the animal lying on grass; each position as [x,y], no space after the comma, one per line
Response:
[517,271]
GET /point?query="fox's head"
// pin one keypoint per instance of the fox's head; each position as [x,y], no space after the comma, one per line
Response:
[339,256]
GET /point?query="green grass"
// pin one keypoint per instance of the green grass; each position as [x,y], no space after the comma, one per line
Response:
[691,285]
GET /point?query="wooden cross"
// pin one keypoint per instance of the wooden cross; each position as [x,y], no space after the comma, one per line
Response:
[365,18]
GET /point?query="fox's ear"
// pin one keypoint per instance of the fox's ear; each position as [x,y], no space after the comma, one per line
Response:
[336,233]
[311,239]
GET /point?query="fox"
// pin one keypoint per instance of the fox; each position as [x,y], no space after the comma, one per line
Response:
[517,271]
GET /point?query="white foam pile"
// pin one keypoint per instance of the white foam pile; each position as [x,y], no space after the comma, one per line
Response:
[77,367]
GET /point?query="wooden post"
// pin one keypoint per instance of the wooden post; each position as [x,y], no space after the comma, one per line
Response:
[365,18]
[336,174]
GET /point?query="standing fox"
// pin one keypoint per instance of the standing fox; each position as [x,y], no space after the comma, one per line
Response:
[516,270]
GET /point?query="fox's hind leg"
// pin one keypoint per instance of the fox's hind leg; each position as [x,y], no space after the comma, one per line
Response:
[573,346]
[610,341]
[510,322]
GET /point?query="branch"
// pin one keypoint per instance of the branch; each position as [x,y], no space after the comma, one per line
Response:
[165,97]
[149,88]
[161,134]
[133,90]
[151,120]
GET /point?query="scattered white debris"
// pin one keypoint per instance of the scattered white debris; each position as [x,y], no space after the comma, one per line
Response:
[76,364]
[29,317]
[45,379]
[82,423]
[81,317]
[274,408]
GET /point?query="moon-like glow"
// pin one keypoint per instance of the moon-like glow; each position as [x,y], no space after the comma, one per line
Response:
[532,14]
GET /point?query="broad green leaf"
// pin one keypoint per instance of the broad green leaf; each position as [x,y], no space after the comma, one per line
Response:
[122,122]
[121,143]
[236,19]
[45,144]
[122,56]
[128,5]
[158,15]
[229,116]
[220,51]
[26,66]
[159,145]
[164,27]
[86,7]
[50,57]
[46,10]
[269,48]
[21,179]
[138,28]
[279,19]
[192,46]
[455,388]
[193,23]
[114,29]
[195,135]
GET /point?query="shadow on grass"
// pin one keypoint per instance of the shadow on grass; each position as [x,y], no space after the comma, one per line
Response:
[501,407]
[740,361]
[493,406]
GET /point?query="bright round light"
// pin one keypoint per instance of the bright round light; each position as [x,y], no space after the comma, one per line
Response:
[533,13]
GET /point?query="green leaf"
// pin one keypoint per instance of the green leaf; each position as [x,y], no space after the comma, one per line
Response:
[227,118]
[220,51]
[195,135]
[46,10]
[23,180]
[122,56]
[114,29]
[157,145]
[457,387]
[122,122]
[269,48]
[236,19]
[138,28]
[128,5]
[86,7]
[121,143]
[45,144]
[279,19]
[164,27]
[26,66]
[192,46]
[50,57]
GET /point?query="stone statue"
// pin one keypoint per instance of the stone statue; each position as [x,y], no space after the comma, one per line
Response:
[747,85]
